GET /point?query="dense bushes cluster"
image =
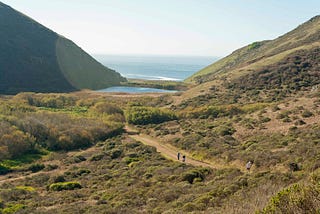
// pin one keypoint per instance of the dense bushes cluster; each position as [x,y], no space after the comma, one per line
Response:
[136,178]
[58,131]
[297,198]
[14,142]
[25,126]
[52,101]
[222,110]
[147,115]
[297,71]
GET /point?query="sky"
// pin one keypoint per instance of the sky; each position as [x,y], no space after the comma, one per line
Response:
[168,27]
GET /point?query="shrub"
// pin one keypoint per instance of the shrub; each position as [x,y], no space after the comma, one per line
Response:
[147,115]
[51,167]
[295,199]
[81,172]
[15,143]
[65,186]
[195,174]
[97,157]
[129,160]
[106,108]
[254,45]
[307,113]
[225,130]
[265,119]
[79,158]
[36,167]
[26,188]
[12,208]
[299,122]
[17,193]
[4,170]
[275,108]
[286,120]
[115,153]
[294,166]
[58,179]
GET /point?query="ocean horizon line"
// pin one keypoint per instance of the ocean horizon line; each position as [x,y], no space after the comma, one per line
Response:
[155,55]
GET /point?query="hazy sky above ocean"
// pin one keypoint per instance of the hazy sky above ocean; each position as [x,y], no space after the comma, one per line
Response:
[175,27]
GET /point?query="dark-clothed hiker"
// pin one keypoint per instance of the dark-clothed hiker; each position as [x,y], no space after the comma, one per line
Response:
[183,158]
[178,155]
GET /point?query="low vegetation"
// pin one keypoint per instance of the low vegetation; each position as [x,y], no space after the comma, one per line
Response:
[74,155]
[140,115]
[65,186]
[31,124]
[161,84]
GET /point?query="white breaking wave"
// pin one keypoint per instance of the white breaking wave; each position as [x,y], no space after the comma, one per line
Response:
[151,77]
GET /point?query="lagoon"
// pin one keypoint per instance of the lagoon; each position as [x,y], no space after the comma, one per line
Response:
[135,90]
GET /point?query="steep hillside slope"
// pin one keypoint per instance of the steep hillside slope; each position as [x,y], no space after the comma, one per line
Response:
[86,72]
[250,58]
[34,58]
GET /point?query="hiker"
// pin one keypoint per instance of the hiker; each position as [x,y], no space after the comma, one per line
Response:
[178,155]
[249,165]
[183,158]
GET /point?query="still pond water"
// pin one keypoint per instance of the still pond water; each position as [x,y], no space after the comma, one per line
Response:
[133,90]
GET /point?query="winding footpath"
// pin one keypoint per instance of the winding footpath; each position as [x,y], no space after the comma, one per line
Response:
[170,152]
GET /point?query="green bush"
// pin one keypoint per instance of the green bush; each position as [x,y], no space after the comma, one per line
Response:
[81,172]
[129,160]
[12,208]
[36,167]
[106,108]
[254,45]
[115,153]
[4,170]
[58,179]
[65,186]
[307,113]
[195,174]
[147,115]
[225,130]
[97,157]
[295,199]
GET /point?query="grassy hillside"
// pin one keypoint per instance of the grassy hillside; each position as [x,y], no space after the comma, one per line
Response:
[27,55]
[34,58]
[59,154]
[300,38]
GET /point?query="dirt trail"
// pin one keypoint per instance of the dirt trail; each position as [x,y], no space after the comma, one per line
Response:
[170,152]
[21,177]
[165,150]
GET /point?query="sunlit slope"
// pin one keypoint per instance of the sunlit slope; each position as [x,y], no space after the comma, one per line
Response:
[258,54]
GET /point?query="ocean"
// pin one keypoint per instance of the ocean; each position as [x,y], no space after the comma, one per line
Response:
[175,68]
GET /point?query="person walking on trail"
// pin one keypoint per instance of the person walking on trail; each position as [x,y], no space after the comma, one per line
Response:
[249,165]
[178,155]
[183,158]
